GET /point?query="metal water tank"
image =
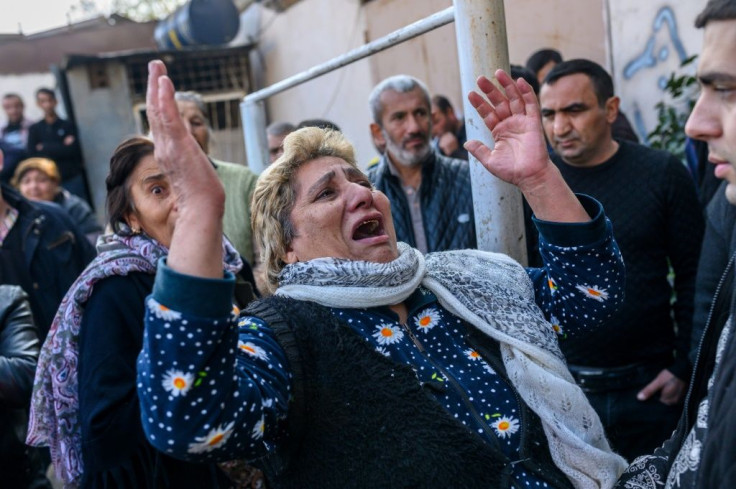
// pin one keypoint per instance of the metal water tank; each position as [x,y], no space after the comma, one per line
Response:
[198,22]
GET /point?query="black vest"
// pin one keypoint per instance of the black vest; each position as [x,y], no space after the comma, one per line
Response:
[358,419]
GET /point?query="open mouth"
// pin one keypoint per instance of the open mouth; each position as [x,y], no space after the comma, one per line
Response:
[369,228]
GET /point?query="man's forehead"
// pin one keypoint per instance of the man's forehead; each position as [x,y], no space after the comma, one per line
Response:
[719,52]
[567,89]
[393,100]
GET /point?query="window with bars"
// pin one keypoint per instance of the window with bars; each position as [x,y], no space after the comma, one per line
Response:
[204,72]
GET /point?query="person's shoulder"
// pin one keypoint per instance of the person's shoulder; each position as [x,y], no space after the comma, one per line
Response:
[445,164]
[379,170]
[647,156]
[234,169]
[136,285]
[10,295]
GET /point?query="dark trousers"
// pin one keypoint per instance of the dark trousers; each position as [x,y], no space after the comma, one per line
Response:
[634,427]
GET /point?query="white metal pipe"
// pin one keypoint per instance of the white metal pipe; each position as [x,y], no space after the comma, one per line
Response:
[252,108]
[253,115]
[406,33]
[480,27]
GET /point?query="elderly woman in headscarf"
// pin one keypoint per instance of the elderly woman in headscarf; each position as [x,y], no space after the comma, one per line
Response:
[373,365]
[84,405]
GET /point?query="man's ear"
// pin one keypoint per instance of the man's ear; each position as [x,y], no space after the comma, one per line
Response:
[377,134]
[612,105]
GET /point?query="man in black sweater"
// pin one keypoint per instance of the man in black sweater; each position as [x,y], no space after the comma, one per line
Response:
[635,368]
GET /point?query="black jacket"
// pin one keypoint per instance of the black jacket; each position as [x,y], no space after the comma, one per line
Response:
[446,200]
[53,253]
[358,419]
[20,465]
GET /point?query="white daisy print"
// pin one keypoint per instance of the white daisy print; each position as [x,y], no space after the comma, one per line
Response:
[383,351]
[177,383]
[161,311]
[253,350]
[427,319]
[505,426]
[472,354]
[552,284]
[212,440]
[593,292]
[556,325]
[258,429]
[488,369]
[387,334]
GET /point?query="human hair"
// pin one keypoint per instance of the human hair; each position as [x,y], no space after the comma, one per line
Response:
[46,91]
[599,77]
[280,128]
[398,84]
[321,123]
[538,59]
[196,99]
[518,71]
[13,95]
[442,103]
[275,193]
[44,165]
[716,10]
[123,163]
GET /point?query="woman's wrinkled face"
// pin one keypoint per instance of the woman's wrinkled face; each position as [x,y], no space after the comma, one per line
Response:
[36,185]
[196,122]
[338,214]
[153,202]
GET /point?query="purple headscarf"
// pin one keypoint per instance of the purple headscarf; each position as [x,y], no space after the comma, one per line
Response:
[55,402]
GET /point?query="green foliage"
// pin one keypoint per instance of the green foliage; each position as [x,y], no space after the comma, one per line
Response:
[672,113]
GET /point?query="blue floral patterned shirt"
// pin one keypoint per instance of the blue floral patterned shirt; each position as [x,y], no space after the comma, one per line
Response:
[213,386]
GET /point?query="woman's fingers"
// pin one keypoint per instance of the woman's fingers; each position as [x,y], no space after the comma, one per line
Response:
[156,69]
[498,100]
[484,109]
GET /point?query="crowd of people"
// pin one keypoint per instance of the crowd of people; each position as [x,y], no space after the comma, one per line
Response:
[319,325]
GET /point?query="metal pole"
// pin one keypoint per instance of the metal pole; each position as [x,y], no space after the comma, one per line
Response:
[253,115]
[252,108]
[406,33]
[480,27]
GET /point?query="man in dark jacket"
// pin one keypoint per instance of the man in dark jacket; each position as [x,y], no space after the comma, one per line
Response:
[430,194]
[40,250]
[702,451]
[21,466]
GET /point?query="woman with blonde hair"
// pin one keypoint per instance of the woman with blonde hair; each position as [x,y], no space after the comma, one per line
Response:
[374,365]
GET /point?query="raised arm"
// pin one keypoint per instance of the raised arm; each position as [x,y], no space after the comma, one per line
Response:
[520,156]
[196,245]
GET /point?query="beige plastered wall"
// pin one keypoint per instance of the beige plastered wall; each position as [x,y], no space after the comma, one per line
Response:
[314,31]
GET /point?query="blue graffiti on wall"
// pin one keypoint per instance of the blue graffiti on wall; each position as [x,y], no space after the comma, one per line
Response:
[654,54]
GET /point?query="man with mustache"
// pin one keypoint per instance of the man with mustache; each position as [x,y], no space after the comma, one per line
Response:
[635,368]
[431,200]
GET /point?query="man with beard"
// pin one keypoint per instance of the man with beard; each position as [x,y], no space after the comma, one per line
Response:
[431,199]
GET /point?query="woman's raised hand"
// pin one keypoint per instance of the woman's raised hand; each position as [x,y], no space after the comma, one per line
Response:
[196,245]
[513,117]
[520,154]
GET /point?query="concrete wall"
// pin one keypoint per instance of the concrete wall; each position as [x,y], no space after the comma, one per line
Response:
[311,32]
[107,117]
[650,40]
[314,31]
